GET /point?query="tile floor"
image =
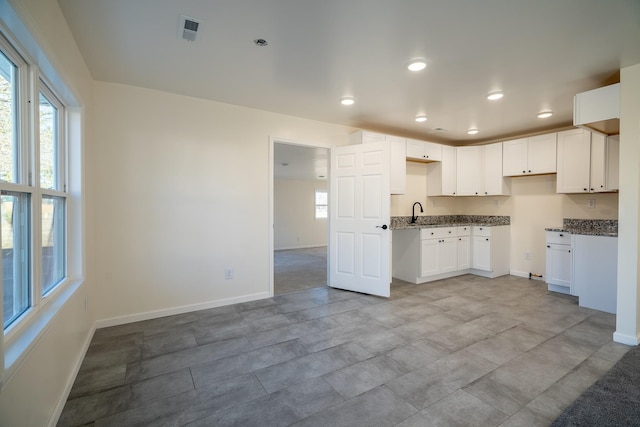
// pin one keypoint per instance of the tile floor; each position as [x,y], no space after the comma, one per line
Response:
[298,269]
[457,352]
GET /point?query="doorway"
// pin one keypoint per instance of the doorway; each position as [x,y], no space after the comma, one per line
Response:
[300,224]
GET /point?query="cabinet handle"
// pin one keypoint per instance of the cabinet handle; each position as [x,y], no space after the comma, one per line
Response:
[524,171]
[426,157]
[487,239]
[561,235]
[592,189]
[548,246]
[529,171]
[454,193]
[449,231]
[432,233]
[569,250]
[601,186]
[585,189]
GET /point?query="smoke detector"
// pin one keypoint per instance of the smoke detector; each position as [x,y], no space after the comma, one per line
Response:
[188,28]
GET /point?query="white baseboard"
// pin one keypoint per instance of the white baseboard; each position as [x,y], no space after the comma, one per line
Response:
[288,248]
[519,273]
[53,421]
[121,320]
[626,339]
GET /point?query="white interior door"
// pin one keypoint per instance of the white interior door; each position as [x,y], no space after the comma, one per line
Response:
[359,217]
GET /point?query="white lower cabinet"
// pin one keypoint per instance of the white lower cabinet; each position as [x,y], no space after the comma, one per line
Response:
[490,250]
[428,254]
[559,262]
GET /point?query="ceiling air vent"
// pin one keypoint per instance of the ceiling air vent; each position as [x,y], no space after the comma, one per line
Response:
[188,29]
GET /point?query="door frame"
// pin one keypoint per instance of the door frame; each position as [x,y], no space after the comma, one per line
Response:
[271,224]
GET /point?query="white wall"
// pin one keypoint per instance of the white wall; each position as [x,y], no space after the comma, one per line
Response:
[533,206]
[36,388]
[628,313]
[295,225]
[183,188]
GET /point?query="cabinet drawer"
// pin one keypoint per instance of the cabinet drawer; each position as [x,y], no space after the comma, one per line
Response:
[558,237]
[481,230]
[464,230]
[437,232]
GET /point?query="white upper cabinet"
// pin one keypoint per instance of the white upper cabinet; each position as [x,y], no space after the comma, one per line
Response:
[468,169]
[587,162]
[423,151]
[479,171]
[441,176]
[397,149]
[530,156]
[493,183]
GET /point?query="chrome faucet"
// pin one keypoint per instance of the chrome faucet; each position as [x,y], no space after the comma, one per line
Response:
[414,217]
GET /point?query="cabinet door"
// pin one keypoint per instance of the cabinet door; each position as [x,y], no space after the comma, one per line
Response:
[541,154]
[481,250]
[398,157]
[432,151]
[574,161]
[468,171]
[429,257]
[464,252]
[447,255]
[514,156]
[559,265]
[613,162]
[493,182]
[415,149]
[598,178]
[449,170]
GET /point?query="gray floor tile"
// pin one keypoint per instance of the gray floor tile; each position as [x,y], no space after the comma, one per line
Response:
[190,406]
[314,365]
[282,408]
[364,376]
[505,350]
[378,407]
[458,409]
[185,358]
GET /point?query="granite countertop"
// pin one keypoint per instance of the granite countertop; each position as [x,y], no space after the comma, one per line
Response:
[404,222]
[588,227]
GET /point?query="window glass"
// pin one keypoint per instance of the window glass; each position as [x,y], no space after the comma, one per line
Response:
[8,120]
[53,242]
[48,143]
[14,210]
[321,204]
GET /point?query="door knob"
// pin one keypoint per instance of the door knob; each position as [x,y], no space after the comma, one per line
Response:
[384,226]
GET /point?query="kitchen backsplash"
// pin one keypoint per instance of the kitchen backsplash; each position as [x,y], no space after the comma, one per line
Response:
[602,225]
[400,221]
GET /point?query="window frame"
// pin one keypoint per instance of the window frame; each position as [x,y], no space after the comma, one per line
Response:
[316,204]
[31,82]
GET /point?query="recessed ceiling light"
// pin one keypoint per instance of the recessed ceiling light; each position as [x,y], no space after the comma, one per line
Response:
[420,118]
[545,114]
[261,42]
[493,96]
[472,131]
[347,100]
[417,64]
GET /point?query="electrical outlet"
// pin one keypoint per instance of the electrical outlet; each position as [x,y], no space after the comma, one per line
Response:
[591,204]
[228,273]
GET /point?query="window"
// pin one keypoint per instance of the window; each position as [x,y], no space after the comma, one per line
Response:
[321,204]
[33,198]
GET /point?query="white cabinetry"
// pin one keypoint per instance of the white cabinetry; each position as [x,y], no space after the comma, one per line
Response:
[441,176]
[468,170]
[559,262]
[423,151]
[479,171]
[464,247]
[397,150]
[587,162]
[595,271]
[490,250]
[530,156]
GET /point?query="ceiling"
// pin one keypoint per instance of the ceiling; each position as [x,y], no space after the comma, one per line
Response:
[540,53]
[298,162]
